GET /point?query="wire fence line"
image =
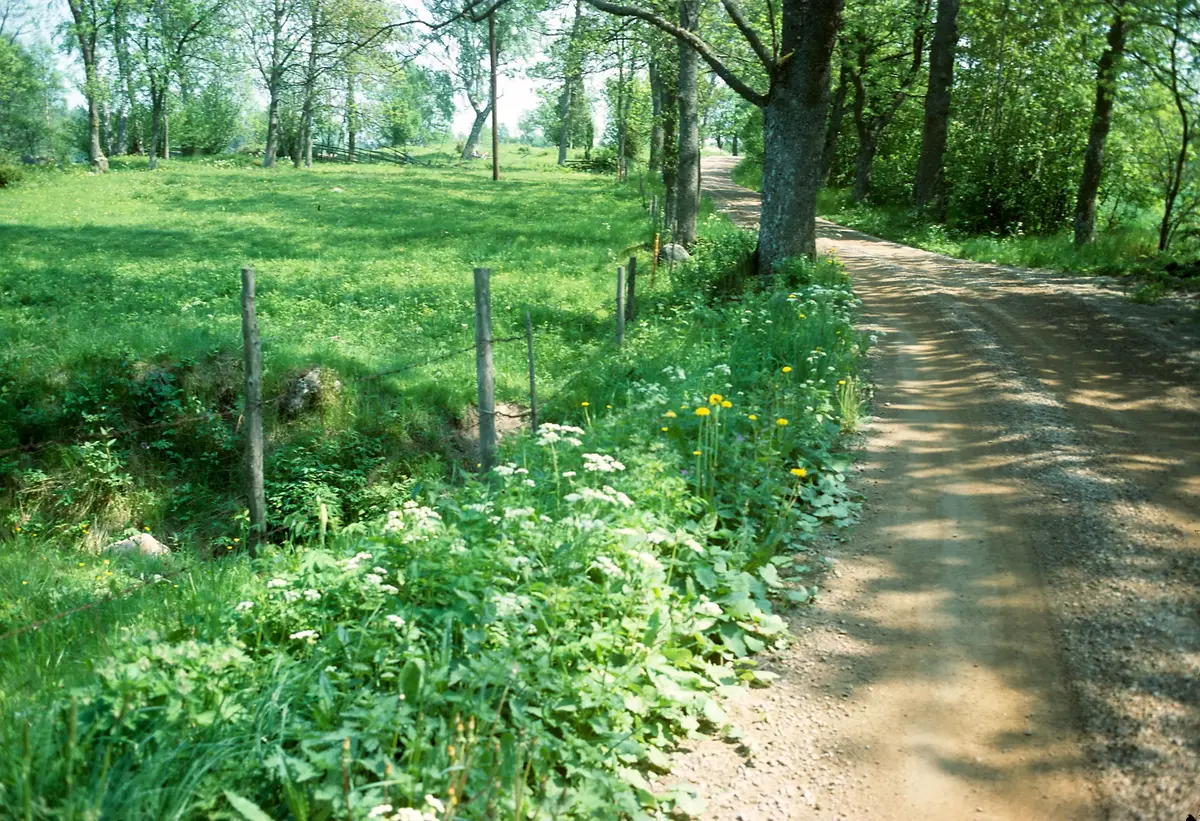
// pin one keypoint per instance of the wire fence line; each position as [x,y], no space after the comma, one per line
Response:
[208,416]
[487,412]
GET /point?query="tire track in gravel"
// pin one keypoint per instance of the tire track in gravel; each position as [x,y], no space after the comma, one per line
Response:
[1013,630]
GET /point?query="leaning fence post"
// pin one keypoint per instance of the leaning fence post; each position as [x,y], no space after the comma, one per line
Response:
[620,305]
[252,352]
[532,385]
[631,290]
[485,373]
[654,262]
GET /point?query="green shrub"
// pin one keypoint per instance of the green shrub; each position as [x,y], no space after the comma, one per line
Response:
[10,169]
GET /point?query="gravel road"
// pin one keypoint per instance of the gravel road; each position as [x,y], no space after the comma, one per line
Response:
[1013,630]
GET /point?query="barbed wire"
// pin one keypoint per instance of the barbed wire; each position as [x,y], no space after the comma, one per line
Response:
[62,614]
[208,416]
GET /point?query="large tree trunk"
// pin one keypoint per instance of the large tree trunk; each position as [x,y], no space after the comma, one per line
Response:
[929,190]
[272,126]
[687,206]
[794,132]
[656,129]
[670,160]
[621,111]
[834,126]
[86,32]
[1093,159]
[564,122]
[166,129]
[156,112]
[734,147]
[864,162]
[481,116]
[351,116]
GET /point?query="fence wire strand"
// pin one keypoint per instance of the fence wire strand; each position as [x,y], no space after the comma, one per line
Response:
[115,433]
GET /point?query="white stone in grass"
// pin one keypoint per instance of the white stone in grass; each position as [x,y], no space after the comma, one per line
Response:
[673,252]
[143,544]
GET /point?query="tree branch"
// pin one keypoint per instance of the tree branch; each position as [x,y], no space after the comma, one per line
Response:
[690,38]
[756,45]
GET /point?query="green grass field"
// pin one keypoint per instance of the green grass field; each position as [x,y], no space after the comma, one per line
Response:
[119,306]
[532,643]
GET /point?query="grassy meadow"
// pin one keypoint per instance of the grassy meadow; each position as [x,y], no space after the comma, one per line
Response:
[119,307]
[532,644]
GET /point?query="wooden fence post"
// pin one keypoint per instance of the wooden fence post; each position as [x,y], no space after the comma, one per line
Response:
[485,372]
[631,290]
[620,306]
[654,262]
[532,383]
[252,353]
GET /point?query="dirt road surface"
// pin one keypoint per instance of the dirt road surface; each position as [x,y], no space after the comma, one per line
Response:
[1013,630]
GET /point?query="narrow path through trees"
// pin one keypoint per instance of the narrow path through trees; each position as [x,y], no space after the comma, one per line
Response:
[1013,630]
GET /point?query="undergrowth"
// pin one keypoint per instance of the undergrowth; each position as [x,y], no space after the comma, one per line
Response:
[1122,251]
[531,644]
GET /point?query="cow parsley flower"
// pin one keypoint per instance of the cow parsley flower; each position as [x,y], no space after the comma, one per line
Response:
[310,636]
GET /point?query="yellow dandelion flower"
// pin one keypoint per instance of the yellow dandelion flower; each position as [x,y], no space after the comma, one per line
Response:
[841,381]
[81,564]
[787,368]
[584,404]
[753,417]
[715,398]
[670,414]
[781,422]
[802,316]
[801,472]
[695,453]
[702,411]
[664,430]
[726,404]
[608,406]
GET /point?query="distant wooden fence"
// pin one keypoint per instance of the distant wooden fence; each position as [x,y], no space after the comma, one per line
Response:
[333,153]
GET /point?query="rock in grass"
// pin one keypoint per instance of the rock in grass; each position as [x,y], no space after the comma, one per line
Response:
[673,252]
[143,544]
[302,393]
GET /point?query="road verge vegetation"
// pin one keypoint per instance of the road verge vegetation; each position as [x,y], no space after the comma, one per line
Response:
[529,644]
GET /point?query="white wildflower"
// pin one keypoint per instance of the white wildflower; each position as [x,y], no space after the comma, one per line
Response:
[510,604]
[529,483]
[435,804]
[647,560]
[243,606]
[379,811]
[694,545]
[312,595]
[601,462]
[373,578]
[394,620]
[310,636]
[607,567]
[517,512]
[619,497]
[568,474]
[389,588]
[291,595]
[658,536]
[274,583]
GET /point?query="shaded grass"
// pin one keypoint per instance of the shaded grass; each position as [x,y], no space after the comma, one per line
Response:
[119,306]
